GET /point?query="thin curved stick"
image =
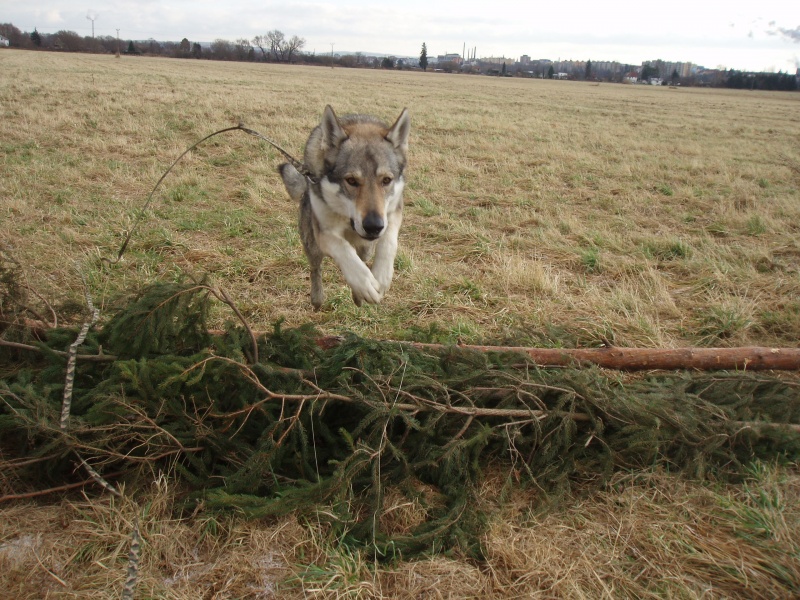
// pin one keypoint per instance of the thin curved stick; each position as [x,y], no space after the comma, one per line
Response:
[240,127]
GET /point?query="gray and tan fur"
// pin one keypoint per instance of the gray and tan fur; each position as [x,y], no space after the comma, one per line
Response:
[351,201]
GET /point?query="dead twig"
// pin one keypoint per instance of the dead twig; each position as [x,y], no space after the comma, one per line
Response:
[71,361]
[134,555]
[54,490]
[18,464]
[83,357]
[420,405]
[140,216]
[223,297]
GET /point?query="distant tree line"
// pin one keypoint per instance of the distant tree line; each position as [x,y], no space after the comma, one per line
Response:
[275,46]
[741,80]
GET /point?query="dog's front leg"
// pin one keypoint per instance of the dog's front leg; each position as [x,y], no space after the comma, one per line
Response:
[385,251]
[357,275]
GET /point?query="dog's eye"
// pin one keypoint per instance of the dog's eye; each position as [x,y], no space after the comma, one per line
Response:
[352,181]
[387,180]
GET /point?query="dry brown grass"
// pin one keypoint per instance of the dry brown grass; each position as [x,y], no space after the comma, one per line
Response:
[647,536]
[552,212]
[651,216]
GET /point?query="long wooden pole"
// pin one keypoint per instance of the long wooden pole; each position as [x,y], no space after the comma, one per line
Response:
[752,358]
[639,359]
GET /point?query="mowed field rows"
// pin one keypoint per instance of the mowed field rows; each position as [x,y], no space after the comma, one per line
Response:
[544,212]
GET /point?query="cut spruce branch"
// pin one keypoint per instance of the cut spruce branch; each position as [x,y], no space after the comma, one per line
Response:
[751,358]
[418,404]
[340,421]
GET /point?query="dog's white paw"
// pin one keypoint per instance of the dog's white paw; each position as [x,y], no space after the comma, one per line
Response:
[384,279]
[367,290]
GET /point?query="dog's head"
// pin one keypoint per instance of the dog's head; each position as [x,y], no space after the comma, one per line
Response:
[359,161]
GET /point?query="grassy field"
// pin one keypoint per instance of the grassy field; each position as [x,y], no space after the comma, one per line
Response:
[547,213]
[561,212]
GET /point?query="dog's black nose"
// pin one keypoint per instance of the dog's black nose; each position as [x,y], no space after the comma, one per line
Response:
[373,224]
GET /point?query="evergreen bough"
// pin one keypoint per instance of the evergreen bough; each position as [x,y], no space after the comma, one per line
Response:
[329,431]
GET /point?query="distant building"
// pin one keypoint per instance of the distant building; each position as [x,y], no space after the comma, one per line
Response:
[667,69]
[4,41]
[454,58]
[497,60]
[560,75]
[524,59]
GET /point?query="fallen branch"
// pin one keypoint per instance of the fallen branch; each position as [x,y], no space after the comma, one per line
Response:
[754,358]
[53,490]
[82,357]
[421,406]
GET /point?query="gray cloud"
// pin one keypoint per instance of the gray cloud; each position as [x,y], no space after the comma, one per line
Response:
[792,34]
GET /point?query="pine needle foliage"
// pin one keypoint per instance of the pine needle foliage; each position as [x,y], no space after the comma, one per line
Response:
[327,432]
[169,318]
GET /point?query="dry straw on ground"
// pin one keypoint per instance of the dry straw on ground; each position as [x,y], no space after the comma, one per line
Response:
[565,212]
[549,213]
[648,536]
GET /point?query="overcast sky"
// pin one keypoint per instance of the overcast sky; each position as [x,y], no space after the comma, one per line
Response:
[751,35]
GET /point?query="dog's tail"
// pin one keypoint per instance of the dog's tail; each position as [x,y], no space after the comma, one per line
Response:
[295,183]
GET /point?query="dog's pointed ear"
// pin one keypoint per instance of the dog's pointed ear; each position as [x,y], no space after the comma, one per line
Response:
[332,132]
[398,134]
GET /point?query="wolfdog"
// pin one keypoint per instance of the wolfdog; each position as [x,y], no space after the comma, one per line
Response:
[351,200]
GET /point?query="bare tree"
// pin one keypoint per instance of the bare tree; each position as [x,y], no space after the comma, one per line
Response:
[153,47]
[69,41]
[92,44]
[108,43]
[243,48]
[276,43]
[222,49]
[450,67]
[293,46]
[261,42]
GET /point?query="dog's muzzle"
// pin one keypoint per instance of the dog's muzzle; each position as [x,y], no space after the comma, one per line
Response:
[373,226]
